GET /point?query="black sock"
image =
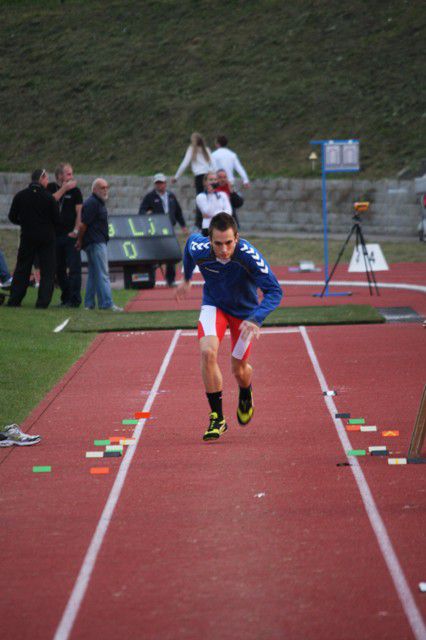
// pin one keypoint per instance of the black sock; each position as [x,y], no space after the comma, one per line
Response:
[215,402]
[245,393]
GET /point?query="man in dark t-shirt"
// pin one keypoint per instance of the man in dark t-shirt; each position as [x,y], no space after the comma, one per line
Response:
[68,260]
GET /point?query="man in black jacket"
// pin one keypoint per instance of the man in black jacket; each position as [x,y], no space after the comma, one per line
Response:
[160,200]
[36,211]
[68,259]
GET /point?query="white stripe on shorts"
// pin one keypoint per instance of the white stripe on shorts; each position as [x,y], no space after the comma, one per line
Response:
[208,319]
[240,348]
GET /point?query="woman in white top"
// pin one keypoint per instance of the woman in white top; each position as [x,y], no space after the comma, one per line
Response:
[211,202]
[200,158]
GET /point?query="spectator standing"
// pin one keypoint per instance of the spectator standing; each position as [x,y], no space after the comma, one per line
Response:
[235,199]
[162,201]
[199,156]
[5,277]
[224,158]
[93,237]
[210,202]
[68,259]
[37,213]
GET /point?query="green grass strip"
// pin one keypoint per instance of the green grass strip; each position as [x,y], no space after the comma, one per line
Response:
[356,421]
[42,469]
[87,322]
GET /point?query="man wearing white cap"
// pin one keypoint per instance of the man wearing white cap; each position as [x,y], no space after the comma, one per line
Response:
[161,200]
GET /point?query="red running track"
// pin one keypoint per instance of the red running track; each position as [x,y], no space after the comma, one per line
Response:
[296,294]
[260,535]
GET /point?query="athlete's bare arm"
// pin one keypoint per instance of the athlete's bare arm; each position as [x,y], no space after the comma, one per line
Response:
[183,289]
[249,330]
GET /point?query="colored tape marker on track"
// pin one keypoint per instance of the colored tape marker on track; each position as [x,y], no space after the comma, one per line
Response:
[101,443]
[117,439]
[416,460]
[356,421]
[99,471]
[393,433]
[114,447]
[369,427]
[397,460]
[129,421]
[142,414]
[377,447]
[128,441]
[356,452]
[112,454]
[37,469]
[353,427]
[94,454]
[342,415]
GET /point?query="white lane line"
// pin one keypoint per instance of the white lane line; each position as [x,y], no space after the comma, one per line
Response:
[73,605]
[401,585]
[61,326]
[186,334]
[333,283]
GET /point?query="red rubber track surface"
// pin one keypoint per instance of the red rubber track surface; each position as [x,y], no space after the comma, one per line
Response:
[259,535]
[162,298]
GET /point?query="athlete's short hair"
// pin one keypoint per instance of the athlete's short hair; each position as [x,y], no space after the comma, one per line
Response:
[222,221]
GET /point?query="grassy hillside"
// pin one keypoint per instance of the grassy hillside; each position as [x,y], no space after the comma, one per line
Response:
[117,86]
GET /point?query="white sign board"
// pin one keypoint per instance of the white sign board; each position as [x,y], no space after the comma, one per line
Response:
[375,254]
[341,155]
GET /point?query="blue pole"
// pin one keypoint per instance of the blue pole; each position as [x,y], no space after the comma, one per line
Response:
[324,215]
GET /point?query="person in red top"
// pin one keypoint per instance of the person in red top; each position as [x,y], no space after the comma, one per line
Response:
[235,199]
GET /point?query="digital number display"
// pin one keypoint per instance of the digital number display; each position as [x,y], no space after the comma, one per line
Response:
[144,250]
[141,240]
[155,226]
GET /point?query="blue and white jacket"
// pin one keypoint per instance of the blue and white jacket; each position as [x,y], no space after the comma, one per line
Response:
[233,286]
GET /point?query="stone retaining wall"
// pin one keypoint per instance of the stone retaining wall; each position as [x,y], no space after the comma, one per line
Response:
[280,205]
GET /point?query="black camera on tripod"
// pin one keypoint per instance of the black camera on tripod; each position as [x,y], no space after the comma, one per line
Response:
[360,207]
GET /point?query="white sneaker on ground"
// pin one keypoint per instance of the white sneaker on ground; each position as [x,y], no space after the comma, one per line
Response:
[11,434]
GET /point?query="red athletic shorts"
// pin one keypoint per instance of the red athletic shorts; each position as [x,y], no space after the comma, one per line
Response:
[213,322]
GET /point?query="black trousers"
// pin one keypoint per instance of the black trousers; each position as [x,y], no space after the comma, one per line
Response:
[30,246]
[68,270]
[199,188]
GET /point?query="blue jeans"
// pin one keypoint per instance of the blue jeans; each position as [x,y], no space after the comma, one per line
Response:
[4,271]
[98,283]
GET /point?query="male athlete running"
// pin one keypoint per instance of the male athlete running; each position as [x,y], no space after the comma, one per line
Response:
[233,270]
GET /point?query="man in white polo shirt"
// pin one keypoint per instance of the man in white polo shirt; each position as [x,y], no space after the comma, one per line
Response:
[228,160]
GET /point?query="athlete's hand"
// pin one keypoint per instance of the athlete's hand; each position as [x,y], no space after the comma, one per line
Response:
[182,289]
[249,330]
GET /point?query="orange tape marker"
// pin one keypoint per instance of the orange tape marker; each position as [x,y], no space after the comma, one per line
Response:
[117,439]
[353,427]
[142,414]
[99,471]
[390,434]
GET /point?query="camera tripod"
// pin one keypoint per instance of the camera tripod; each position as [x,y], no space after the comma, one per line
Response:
[359,242]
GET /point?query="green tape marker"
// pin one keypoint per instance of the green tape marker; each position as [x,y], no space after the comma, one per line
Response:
[129,421]
[101,443]
[356,421]
[42,469]
[356,452]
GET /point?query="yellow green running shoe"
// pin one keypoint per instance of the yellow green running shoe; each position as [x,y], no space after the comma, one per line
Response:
[215,428]
[245,410]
